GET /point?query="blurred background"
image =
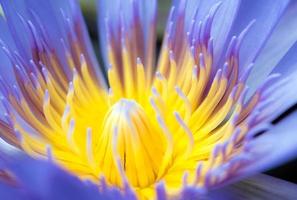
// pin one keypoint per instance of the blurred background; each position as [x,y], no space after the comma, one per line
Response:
[286,171]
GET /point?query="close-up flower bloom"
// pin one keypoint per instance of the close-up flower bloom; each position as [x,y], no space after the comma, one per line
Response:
[203,113]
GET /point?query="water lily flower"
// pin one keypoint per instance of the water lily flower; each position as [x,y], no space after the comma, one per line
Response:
[198,117]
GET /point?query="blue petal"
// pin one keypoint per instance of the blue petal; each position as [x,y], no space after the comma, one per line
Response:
[113,16]
[288,64]
[49,182]
[11,193]
[44,180]
[267,13]
[58,12]
[222,22]
[258,187]
[273,148]
[279,51]
[5,66]
[282,95]
[12,12]
[268,150]
[32,23]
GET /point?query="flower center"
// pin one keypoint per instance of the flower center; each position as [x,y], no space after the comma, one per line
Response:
[187,124]
[128,136]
